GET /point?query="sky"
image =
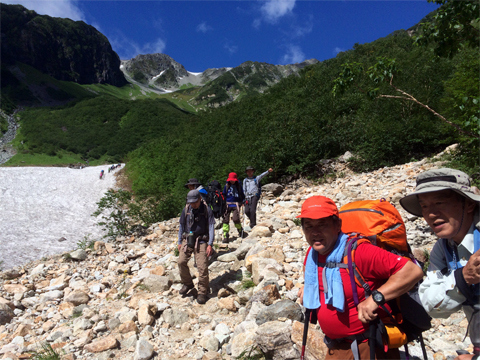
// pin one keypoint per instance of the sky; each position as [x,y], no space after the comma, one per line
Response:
[211,34]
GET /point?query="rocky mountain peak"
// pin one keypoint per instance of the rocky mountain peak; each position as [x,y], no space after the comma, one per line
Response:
[64,49]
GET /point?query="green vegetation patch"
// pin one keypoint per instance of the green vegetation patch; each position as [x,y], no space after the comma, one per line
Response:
[96,128]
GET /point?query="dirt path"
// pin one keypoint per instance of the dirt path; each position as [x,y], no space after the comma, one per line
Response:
[40,205]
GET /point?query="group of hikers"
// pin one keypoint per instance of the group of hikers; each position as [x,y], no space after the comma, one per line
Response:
[362,283]
[110,168]
[197,222]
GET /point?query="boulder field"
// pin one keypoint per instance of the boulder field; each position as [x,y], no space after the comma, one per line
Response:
[119,299]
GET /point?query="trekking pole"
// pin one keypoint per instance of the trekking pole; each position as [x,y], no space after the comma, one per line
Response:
[305,332]
[244,218]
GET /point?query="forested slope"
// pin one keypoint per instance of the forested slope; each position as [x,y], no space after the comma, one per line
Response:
[298,122]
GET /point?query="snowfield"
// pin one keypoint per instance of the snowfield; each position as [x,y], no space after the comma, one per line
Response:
[40,205]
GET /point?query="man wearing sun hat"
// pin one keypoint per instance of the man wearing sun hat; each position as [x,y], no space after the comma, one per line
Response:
[328,290]
[193,183]
[251,188]
[450,206]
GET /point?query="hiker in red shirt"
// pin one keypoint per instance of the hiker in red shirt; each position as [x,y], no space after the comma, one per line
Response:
[345,325]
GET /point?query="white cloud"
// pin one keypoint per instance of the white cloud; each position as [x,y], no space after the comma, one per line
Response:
[299,31]
[59,8]
[203,27]
[272,10]
[232,49]
[293,55]
[126,48]
[337,50]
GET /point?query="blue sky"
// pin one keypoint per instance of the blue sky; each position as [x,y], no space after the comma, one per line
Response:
[211,34]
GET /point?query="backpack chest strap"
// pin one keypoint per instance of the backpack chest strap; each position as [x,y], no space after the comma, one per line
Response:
[329,265]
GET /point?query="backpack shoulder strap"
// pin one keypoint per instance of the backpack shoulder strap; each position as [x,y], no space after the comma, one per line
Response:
[349,258]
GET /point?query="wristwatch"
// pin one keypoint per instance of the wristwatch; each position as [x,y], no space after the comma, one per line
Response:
[378,297]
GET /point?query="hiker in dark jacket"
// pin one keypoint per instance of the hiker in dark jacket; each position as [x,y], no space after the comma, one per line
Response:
[193,183]
[251,189]
[196,235]
[346,326]
[234,197]
[450,206]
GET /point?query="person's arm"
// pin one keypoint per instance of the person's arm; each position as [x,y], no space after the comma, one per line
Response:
[211,231]
[181,228]
[397,284]
[438,292]
[211,227]
[259,177]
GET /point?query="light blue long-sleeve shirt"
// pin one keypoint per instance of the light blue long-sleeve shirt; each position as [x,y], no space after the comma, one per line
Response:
[250,187]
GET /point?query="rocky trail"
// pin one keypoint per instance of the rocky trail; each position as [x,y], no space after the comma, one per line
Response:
[120,299]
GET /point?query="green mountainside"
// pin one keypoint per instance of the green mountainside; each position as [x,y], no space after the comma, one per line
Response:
[102,127]
[289,123]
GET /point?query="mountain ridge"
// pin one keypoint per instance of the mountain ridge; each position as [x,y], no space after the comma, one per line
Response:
[62,48]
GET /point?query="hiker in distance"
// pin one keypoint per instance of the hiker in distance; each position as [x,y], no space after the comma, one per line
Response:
[329,290]
[251,189]
[193,183]
[450,206]
[234,197]
[196,235]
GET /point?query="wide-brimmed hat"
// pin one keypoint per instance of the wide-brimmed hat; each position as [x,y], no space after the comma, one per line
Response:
[249,168]
[232,177]
[318,207]
[438,180]
[192,181]
[193,196]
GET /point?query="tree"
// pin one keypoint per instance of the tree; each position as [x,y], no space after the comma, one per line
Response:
[454,26]
[384,70]
[113,209]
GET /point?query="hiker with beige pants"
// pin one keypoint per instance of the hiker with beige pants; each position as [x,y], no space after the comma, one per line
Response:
[195,236]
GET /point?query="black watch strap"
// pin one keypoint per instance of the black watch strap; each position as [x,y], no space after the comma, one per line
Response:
[375,294]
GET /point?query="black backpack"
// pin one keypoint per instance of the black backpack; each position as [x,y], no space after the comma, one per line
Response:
[216,200]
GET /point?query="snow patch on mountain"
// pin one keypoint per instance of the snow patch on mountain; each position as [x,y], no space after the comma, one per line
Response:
[40,205]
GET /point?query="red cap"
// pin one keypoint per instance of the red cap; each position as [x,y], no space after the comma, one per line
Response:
[317,207]
[232,177]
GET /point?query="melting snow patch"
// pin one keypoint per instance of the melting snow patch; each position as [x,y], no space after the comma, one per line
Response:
[40,205]
[195,73]
[156,77]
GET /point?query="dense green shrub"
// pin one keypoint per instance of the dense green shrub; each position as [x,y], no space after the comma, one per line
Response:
[100,126]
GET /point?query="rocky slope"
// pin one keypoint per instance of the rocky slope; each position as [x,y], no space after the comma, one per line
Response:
[120,299]
[6,150]
[62,48]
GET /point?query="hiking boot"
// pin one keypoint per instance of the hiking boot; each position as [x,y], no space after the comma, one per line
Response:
[226,238]
[201,299]
[185,289]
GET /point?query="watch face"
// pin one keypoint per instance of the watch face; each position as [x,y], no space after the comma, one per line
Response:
[377,297]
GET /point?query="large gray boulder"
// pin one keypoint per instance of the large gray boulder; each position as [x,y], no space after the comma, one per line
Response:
[274,339]
[276,189]
[284,308]
[175,317]
[157,283]
[143,350]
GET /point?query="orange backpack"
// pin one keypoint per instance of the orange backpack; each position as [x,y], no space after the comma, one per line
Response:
[379,221]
